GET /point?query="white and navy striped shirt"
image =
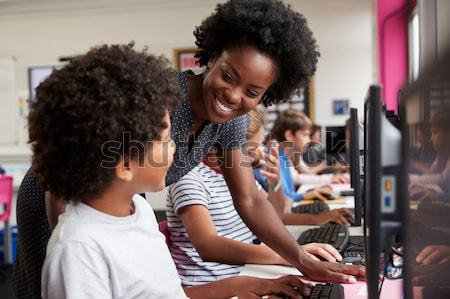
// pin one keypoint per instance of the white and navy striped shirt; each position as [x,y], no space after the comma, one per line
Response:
[203,186]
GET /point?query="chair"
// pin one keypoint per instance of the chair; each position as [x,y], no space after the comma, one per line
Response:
[6,192]
[164,228]
[34,233]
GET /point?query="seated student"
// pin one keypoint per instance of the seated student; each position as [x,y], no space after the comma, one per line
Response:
[292,129]
[100,134]
[208,239]
[269,175]
[439,171]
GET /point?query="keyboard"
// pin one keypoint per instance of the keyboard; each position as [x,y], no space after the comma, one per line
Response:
[325,291]
[331,233]
[422,236]
[312,208]
[354,257]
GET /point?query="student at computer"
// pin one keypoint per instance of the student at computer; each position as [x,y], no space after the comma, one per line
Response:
[95,145]
[292,129]
[439,171]
[266,168]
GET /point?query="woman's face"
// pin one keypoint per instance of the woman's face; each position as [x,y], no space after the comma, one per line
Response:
[235,82]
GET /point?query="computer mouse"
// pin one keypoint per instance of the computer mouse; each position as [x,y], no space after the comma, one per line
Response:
[350,219]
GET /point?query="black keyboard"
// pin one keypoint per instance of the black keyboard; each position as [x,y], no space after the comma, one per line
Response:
[312,208]
[354,257]
[331,233]
[422,236]
[325,291]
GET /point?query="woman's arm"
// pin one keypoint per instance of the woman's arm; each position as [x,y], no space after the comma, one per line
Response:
[261,218]
[213,248]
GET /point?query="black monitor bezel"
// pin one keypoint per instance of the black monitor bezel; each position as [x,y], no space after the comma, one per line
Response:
[355,175]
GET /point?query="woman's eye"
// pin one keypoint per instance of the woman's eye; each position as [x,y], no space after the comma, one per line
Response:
[227,77]
[252,94]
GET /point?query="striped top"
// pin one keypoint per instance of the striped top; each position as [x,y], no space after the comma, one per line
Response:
[203,186]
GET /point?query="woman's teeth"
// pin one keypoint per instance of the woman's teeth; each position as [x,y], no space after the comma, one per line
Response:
[222,106]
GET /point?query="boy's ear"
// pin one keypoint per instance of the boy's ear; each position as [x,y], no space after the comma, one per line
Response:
[288,136]
[125,169]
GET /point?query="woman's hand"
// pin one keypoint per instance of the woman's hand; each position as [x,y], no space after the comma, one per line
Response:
[318,193]
[286,286]
[325,251]
[332,272]
[337,215]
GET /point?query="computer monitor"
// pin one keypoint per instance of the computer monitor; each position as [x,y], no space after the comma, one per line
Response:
[36,75]
[355,168]
[425,104]
[335,143]
[382,203]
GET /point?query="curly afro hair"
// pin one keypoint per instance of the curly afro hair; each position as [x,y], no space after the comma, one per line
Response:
[97,98]
[270,26]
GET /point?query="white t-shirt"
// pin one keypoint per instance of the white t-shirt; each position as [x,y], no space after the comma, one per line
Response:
[94,255]
[203,186]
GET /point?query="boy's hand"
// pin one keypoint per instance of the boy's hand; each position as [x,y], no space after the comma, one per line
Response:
[325,251]
[337,215]
[318,193]
[286,286]
[341,178]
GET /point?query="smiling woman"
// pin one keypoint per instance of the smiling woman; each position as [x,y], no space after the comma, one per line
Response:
[257,51]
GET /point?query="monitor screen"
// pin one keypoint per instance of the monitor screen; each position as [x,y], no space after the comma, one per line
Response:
[335,140]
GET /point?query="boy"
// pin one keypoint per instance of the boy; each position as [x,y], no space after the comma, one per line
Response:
[292,130]
[100,133]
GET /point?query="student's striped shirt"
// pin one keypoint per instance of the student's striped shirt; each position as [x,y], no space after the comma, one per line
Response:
[203,186]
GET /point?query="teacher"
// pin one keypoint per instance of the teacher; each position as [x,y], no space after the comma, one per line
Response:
[254,52]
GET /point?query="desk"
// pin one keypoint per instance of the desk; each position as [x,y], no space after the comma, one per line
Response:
[350,200]
[391,288]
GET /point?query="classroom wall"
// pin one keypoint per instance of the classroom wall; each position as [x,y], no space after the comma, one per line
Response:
[38,33]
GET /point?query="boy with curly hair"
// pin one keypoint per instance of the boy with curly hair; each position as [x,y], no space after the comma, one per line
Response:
[100,134]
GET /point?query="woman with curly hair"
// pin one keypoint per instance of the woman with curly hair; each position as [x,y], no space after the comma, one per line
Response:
[254,52]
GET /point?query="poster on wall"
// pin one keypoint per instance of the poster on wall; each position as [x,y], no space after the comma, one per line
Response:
[184,59]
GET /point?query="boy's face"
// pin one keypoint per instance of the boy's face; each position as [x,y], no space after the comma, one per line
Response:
[440,138]
[300,139]
[159,159]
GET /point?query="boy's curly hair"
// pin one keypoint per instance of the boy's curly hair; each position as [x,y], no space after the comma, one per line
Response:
[270,26]
[97,98]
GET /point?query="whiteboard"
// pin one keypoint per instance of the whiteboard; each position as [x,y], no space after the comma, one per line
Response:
[8,102]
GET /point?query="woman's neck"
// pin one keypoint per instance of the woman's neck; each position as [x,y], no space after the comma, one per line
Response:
[114,201]
[195,93]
